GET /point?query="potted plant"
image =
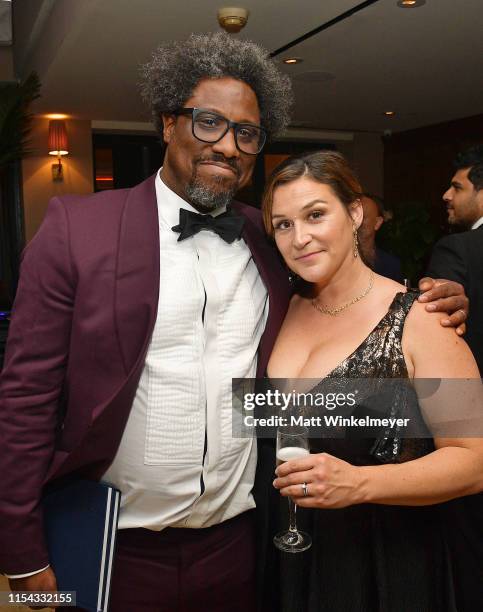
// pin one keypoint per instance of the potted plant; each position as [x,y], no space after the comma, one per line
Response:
[409,234]
[15,124]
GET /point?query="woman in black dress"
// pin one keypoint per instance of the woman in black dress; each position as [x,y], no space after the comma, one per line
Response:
[371,504]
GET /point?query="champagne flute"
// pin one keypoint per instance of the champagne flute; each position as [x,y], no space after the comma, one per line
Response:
[292,443]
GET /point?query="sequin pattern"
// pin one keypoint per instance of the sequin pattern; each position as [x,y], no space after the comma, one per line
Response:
[380,356]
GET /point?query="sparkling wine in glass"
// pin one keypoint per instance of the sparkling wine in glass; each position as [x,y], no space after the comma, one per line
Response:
[292,443]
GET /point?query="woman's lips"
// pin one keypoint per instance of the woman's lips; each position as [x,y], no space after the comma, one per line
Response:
[308,256]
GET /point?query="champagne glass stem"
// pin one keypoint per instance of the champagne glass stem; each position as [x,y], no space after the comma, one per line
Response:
[292,443]
[292,515]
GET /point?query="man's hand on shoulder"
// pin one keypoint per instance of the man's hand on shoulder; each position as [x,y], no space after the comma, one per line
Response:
[448,297]
[43,581]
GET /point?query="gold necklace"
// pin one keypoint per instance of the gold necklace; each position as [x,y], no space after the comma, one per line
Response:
[333,312]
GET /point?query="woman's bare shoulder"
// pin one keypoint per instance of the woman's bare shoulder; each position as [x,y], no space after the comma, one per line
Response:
[388,285]
[434,350]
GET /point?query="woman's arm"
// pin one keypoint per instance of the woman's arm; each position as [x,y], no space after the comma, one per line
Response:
[454,469]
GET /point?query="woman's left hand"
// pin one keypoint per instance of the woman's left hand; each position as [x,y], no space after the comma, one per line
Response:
[330,482]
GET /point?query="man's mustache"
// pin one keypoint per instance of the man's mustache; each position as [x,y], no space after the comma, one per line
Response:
[221,159]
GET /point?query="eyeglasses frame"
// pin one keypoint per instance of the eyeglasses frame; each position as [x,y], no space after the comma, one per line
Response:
[193,111]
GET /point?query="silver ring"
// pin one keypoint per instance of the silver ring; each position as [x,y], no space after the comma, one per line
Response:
[463,311]
[305,489]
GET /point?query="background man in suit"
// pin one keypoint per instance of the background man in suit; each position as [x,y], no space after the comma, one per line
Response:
[383,263]
[459,257]
[132,316]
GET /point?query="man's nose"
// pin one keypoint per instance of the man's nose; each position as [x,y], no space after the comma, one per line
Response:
[447,195]
[227,145]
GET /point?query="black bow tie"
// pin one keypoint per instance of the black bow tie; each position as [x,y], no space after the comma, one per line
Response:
[227,225]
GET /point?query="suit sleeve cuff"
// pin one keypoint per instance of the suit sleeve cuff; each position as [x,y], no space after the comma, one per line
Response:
[14,577]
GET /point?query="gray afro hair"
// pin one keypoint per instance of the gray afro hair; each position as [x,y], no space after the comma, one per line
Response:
[175,69]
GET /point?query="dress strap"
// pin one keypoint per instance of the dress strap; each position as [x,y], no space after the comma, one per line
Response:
[398,311]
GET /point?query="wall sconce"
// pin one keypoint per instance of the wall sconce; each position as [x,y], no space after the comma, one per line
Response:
[58,145]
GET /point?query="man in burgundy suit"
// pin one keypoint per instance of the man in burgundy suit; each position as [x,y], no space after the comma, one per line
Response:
[133,314]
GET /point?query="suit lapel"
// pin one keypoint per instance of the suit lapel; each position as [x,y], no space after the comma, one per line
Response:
[135,306]
[137,286]
[276,281]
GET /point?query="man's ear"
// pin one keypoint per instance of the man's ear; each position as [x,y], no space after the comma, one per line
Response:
[356,212]
[169,122]
[379,222]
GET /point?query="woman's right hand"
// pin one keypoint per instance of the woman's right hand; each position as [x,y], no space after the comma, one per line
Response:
[331,482]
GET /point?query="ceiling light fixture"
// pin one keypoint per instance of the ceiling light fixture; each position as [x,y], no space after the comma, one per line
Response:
[232,19]
[293,60]
[410,3]
[389,113]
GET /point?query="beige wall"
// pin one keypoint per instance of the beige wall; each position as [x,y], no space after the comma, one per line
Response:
[38,186]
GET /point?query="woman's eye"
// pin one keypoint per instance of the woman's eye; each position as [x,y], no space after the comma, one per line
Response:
[282,225]
[316,214]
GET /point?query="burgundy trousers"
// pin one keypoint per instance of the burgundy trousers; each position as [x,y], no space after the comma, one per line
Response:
[186,570]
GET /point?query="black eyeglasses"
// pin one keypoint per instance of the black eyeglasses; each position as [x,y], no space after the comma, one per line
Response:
[208,126]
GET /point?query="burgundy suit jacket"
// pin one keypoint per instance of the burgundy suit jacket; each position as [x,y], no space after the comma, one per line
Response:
[82,320]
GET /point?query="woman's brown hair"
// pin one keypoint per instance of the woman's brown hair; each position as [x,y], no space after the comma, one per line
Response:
[327,167]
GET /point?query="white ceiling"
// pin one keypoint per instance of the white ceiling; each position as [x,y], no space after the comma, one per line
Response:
[424,63]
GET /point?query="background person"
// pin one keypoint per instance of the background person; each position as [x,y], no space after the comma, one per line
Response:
[384,263]
[459,257]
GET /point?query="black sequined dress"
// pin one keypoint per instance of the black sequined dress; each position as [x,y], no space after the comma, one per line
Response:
[368,557]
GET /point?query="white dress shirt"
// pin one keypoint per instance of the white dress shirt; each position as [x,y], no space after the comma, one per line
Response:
[477,223]
[211,314]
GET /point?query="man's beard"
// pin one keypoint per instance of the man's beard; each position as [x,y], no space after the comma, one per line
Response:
[464,215]
[208,198]
[460,224]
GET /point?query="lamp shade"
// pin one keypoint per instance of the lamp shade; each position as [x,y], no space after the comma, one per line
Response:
[58,144]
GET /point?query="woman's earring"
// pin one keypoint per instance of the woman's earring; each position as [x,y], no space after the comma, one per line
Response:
[292,277]
[355,246]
